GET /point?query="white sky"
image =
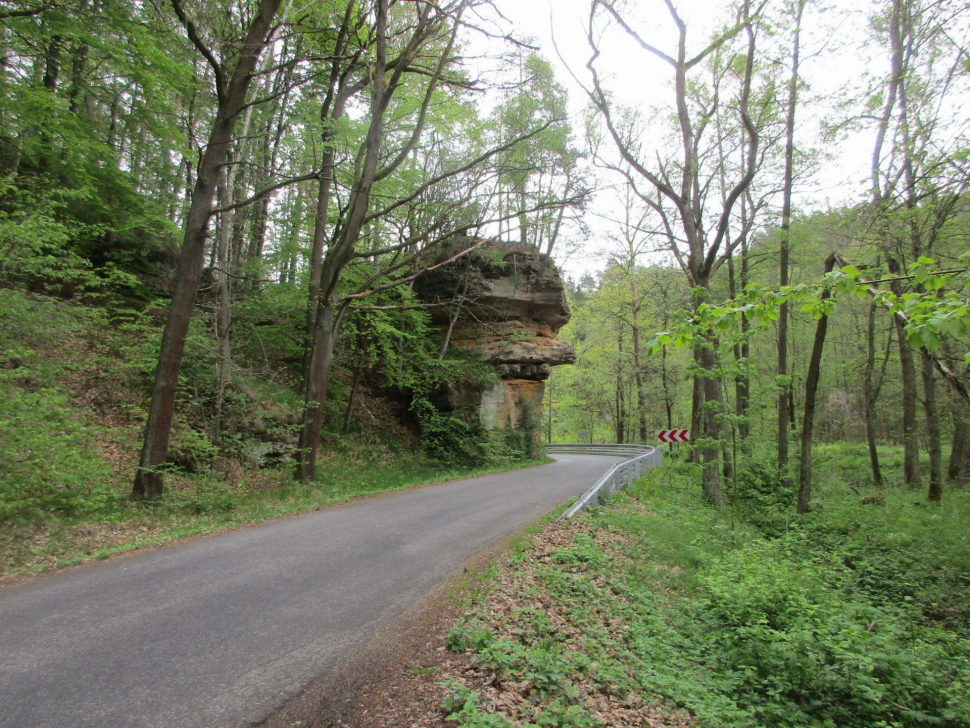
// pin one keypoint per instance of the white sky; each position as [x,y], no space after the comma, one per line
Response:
[832,64]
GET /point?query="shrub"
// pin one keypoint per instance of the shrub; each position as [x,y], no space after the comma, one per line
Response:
[49,460]
[803,654]
[760,497]
[452,439]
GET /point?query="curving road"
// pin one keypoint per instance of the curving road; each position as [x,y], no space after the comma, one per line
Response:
[221,631]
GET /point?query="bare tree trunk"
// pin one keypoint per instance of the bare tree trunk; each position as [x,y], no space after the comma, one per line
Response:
[549,389]
[911,468]
[897,21]
[228,222]
[782,369]
[641,395]
[455,312]
[869,399]
[327,321]
[935,492]
[710,431]
[635,335]
[320,218]
[744,383]
[452,318]
[341,252]
[52,63]
[358,375]
[232,99]
[696,407]
[321,361]
[620,406]
[956,471]
[668,400]
[223,308]
[741,383]
[811,390]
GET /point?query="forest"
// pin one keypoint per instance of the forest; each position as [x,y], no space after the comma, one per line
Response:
[215,218]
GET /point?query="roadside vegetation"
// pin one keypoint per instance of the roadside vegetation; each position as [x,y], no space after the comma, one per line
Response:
[72,406]
[662,610]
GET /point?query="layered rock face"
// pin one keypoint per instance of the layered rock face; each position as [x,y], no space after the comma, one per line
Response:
[507,308]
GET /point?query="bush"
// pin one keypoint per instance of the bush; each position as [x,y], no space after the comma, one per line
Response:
[49,460]
[803,654]
[762,501]
[453,440]
[851,618]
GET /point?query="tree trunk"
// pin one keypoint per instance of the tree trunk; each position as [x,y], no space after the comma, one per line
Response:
[935,492]
[620,406]
[711,480]
[741,383]
[696,407]
[911,469]
[549,388]
[637,365]
[743,390]
[223,309]
[782,369]
[342,250]
[321,362]
[320,227]
[811,390]
[327,321]
[349,414]
[232,99]
[52,63]
[956,471]
[869,399]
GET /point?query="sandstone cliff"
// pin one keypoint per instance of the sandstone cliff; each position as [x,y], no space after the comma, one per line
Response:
[506,307]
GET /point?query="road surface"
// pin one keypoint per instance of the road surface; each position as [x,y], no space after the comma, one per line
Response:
[221,631]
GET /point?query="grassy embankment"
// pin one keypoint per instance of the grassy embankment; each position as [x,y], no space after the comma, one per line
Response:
[73,383]
[659,610]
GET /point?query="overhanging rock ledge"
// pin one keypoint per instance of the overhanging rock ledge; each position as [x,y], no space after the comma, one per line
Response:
[507,307]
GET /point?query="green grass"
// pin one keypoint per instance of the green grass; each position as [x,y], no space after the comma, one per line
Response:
[856,615]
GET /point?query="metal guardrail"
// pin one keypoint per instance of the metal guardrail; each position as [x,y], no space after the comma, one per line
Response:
[641,459]
[604,448]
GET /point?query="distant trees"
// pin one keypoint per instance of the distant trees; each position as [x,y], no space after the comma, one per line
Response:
[726,172]
[679,188]
[916,190]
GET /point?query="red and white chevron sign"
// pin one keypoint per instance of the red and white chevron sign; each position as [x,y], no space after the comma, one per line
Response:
[674,436]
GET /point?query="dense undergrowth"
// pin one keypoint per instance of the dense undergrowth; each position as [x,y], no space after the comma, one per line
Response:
[857,615]
[73,385]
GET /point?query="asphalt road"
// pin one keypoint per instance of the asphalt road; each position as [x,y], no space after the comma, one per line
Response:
[221,631]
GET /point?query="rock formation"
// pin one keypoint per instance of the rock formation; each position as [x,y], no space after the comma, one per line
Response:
[506,306]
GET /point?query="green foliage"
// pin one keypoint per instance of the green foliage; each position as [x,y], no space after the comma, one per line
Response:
[801,653]
[469,635]
[834,621]
[50,460]
[760,497]
[929,315]
[461,705]
[452,439]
